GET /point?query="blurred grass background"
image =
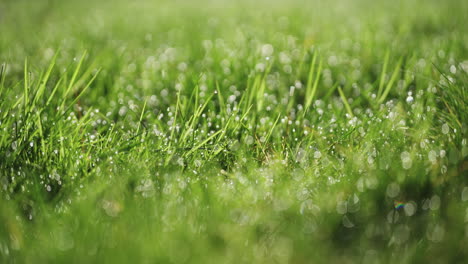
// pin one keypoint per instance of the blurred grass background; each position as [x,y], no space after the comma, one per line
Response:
[318,186]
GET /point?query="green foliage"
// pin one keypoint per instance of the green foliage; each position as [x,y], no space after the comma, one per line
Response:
[215,131]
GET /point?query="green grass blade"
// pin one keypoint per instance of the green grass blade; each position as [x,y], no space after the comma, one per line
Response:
[383,73]
[345,102]
[392,80]
[202,143]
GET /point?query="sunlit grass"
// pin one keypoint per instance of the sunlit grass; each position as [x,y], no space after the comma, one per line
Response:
[233,132]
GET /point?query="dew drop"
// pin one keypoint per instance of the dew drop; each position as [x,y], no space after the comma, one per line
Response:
[347,222]
[434,203]
[317,154]
[410,208]
[445,128]
[14,145]
[393,190]
[464,195]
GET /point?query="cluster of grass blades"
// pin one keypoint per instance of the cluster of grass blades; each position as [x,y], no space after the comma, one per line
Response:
[296,132]
[45,128]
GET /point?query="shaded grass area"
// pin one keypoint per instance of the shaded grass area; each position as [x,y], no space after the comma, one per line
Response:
[214,131]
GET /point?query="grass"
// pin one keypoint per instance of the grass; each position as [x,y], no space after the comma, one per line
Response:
[233,132]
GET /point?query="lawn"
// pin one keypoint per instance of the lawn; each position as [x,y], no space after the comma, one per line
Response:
[216,131]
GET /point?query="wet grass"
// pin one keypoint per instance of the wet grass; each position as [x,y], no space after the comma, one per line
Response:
[220,132]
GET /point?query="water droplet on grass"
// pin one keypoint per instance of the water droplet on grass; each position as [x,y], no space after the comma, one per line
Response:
[249,140]
[410,208]
[445,128]
[267,50]
[347,222]
[432,156]
[393,190]
[443,169]
[464,195]
[317,154]
[409,99]
[434,203]
[342,207]
[453,69]
[406,160]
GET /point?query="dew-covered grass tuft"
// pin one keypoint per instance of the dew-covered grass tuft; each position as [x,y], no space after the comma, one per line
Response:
[215,131]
